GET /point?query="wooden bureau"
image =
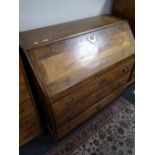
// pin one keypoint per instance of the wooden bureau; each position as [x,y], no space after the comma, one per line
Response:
[29,121]
[78,68]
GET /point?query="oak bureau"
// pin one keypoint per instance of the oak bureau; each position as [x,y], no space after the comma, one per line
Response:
[78,68]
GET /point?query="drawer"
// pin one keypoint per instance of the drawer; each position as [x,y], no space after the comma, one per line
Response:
[101,81]
[70,111]
[88,113]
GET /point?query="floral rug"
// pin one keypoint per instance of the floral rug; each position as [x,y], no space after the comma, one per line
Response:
[109,132]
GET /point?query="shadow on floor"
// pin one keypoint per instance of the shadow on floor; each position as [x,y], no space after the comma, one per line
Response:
[129,94]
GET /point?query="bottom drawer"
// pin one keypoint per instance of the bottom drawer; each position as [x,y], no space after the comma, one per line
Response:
[88,113]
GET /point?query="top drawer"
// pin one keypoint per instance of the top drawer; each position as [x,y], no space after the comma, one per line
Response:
[64,64]
[100,82]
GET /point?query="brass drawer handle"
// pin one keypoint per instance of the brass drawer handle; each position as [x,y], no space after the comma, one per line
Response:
[71,114]
[102,83]
[71,101]
[98,96]
[125,69]
[121,82]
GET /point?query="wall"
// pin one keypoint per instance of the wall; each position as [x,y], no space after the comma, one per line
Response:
[40,13]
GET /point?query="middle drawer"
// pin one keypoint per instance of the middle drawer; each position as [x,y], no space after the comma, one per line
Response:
[69,111]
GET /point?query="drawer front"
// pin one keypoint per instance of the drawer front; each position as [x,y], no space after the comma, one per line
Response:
[73,110]
[74,97]
[88,113]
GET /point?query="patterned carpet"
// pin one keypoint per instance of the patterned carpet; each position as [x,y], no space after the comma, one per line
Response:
[110,132]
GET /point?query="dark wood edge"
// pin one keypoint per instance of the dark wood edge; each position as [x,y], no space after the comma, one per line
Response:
[130,82]
[130,78]
[51,133]
[38,79]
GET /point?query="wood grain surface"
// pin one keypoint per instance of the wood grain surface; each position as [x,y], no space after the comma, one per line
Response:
[78,68]
[61,71]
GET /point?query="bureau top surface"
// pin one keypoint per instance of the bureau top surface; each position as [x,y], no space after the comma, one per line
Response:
[60,65]
[45,35]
